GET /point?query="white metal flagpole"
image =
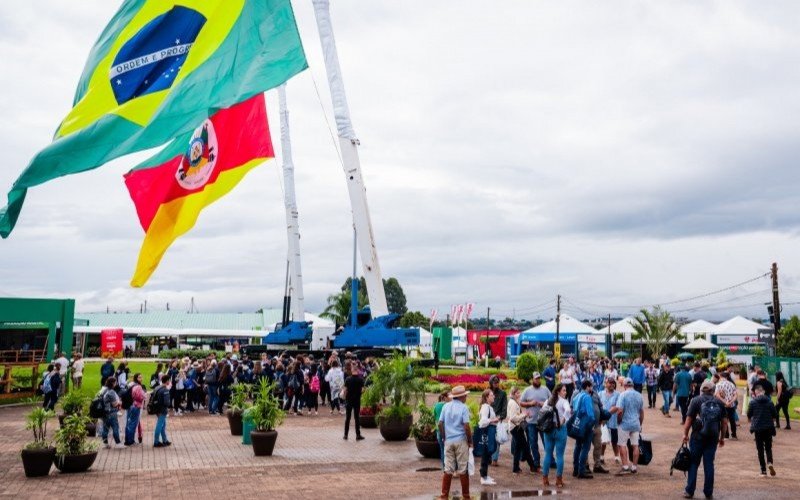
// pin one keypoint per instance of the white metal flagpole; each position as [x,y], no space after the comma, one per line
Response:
[292,216]
[352,167]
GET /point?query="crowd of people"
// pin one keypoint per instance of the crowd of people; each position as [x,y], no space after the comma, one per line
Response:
[180,386]
[600,404]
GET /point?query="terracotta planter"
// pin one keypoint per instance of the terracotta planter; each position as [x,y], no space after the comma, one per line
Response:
[37,462]
[263,442]
[235,422]
[367,421]
[428,449]
[74,463]
[394,429]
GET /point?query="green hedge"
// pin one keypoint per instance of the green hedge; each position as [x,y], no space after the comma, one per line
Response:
[193,354]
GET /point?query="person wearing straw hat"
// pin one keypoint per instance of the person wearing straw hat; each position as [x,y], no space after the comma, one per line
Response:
[457,437]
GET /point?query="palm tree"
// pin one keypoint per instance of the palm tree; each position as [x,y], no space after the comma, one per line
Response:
[656,329]
[338,308]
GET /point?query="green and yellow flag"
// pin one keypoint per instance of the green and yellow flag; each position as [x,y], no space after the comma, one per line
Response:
[159,68]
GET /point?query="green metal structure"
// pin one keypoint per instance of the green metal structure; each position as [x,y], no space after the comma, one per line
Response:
[443,342]
[790,367]
[56,315]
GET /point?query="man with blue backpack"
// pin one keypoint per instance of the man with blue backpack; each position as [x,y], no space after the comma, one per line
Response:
[707,421]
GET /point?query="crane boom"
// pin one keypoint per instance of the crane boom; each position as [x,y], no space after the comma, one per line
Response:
[348,144]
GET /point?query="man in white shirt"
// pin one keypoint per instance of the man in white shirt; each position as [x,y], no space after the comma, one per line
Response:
[63,363]
[77,371]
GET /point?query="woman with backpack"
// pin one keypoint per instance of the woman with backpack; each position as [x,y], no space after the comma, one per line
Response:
[50,385]
[312,397]
[133,422]
[111,406]
[784,396]
[556,438]
[155,378]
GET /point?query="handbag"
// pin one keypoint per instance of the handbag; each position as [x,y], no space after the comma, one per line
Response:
[502,435]
[485,440]
[682,460]
[645,451]
[578,425]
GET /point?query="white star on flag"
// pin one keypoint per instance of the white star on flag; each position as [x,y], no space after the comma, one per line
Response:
[119,82]
[177,41]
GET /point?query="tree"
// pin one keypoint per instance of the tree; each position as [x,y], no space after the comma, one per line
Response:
[395,297]
[656,329]
[414,318]
[789,338]
[338,308]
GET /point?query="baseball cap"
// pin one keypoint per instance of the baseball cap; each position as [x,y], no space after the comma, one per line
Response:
[707,386]
[628,381]
[536,375]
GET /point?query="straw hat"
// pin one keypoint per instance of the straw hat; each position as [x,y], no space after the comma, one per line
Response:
[458,391]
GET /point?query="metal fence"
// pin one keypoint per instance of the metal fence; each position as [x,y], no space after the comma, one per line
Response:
[790,367]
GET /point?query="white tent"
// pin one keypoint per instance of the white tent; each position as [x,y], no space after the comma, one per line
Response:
[738,326]
[568,324]
[425,341]
[623,326]
[700,344]
[698,326]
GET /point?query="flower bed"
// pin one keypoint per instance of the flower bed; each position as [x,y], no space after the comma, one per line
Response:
[466,378]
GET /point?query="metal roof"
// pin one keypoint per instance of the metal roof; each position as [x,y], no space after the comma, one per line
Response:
[180,320]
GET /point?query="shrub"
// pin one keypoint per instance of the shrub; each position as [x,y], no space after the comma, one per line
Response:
[36,421]
[266,412]
[424,428]
[530,362]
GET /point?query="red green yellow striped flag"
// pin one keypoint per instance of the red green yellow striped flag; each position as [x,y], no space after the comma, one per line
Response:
[170,189]
[159,68]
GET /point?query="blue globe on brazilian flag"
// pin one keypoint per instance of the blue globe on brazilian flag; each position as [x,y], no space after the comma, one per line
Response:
[159,68]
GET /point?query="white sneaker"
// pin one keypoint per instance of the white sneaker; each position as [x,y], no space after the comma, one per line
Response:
[617,461]
[487,481]
[119,446]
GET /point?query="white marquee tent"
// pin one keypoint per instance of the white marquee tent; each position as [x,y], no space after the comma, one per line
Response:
[568,324]
[738,326]
[698,326]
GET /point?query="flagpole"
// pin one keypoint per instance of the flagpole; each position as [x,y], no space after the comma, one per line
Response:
[292,216]
[351,163]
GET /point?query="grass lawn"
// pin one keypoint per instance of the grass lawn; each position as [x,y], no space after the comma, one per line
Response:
[91,377]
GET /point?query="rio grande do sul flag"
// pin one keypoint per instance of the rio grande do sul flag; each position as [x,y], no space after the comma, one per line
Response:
[159,68]
[170,189]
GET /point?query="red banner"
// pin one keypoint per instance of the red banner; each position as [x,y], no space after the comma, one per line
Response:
[111,342]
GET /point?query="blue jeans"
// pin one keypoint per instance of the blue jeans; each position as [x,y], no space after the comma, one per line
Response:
[555,440]
[213,397]
[131,424]
[667,395]
[580,456]
[110,423]
[702,451]
[496,453]
[441,447]
[161,430]
[533,443]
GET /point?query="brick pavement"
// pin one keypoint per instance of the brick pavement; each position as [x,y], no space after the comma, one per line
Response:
[312,460]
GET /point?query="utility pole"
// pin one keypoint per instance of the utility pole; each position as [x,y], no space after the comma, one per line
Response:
[557,345]
[776,303]
[486,347]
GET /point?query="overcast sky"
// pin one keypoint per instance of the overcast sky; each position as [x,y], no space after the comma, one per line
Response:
[618,153]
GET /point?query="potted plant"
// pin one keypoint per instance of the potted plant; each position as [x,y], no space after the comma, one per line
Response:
[266,414]
[76,403]
[370,406]
[424,432]
[395,381]
[74,452]
[236,406]
[37,456]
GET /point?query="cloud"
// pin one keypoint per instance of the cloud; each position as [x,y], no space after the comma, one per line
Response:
[511,152]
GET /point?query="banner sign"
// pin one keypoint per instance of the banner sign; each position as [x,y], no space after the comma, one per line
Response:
[743,349]
[111,342]
[592,339]
[737,339]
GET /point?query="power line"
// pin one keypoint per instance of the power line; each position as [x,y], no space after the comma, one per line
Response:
[715,292]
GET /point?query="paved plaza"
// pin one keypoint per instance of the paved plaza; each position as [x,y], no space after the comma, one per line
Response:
[312,461]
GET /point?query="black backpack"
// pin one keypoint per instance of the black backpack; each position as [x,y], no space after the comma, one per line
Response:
[126,396]
[682,460]
[710,418]
[210,376]
[154,404]
[545,421]
[97,409]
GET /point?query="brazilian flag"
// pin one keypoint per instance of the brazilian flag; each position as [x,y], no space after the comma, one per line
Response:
[159,68]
